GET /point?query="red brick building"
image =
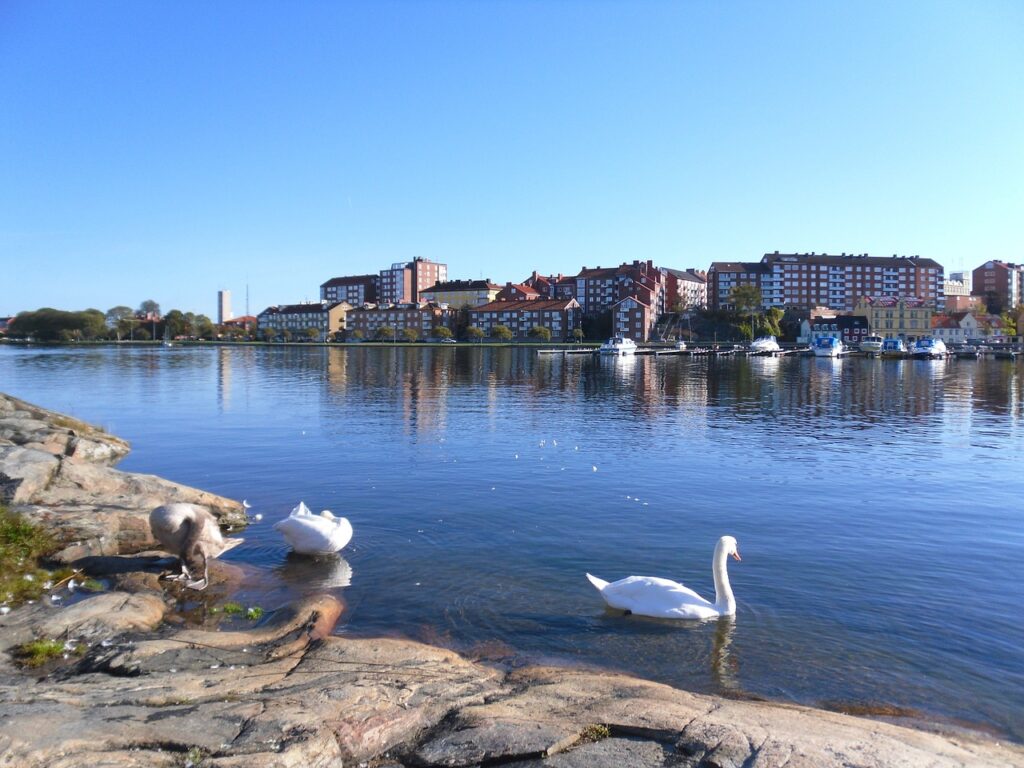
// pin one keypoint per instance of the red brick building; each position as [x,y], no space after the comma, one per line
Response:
[560,316]
[369,319]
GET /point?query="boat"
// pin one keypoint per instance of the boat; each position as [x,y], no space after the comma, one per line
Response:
[928,348]
[967,352]
[618,345]
[680,346]
[872,345]
[894,348]
[828,346]
[764,345]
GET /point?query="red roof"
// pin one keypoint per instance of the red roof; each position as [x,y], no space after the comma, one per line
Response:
[530,305]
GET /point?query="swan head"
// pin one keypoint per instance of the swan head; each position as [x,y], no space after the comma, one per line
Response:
[730,547]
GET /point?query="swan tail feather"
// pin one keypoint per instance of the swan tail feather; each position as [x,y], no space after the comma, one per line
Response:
[599,583]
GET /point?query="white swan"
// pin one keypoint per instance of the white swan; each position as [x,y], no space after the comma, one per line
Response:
[310,534]
[666,599]
[192,534]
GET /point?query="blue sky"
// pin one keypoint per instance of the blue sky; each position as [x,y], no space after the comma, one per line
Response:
[167,150]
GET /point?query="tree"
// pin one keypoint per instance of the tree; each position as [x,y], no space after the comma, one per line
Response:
[358,335]
[286,334]
[502,333]
[577,335]
[149,306]
[175,324]
[473,333]
[49,324]
[385,332]
[116,318]
[142,334]
[204,328]
[410,334]
[540,333]
[746,300]
[312,333]
[440,332]
[269,334]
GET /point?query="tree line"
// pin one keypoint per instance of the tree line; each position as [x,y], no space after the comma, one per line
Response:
[118,323]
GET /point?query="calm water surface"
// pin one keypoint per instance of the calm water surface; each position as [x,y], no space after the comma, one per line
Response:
[877,504]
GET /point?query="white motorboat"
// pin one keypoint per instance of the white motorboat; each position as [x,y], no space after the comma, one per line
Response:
[764,345]
[618,345]
[894,348]
[929,348]
[872,345]
[681,346]
[828,346]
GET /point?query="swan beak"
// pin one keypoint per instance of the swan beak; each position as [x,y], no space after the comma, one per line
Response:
[737,555]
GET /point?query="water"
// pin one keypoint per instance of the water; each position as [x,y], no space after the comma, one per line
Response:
[877,503]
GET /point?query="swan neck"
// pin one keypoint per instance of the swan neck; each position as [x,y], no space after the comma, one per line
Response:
[725,603]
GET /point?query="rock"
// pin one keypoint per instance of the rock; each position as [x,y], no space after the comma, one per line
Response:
[290,694]
[104,615]
[24,473]
[53,470]
[607,753]
[24,424]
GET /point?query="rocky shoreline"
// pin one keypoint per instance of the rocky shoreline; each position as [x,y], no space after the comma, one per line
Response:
[139,690]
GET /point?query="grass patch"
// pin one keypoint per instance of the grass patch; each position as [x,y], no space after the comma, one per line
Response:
[595,732]
[195,757]
[38,652]
[254,614]
[233,609]
[66,422]
[22,543]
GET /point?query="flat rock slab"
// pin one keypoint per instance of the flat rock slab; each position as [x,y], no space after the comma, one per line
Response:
[608,753]
[29,425]
[289,694]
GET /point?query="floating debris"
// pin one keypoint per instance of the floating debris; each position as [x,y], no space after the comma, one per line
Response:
[246,504]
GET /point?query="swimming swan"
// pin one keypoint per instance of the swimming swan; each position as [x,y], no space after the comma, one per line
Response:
[311,534]
[665,599]
[192,534]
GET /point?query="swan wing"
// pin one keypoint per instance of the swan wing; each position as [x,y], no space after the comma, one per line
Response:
[654,596]
[313,535]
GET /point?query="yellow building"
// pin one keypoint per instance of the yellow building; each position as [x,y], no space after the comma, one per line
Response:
[461,293]
[907,318]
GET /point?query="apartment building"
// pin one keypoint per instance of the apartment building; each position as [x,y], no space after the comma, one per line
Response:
[517,292]
[355,289]
[838,282]
[403,282]
[633,318]
[598,288]
[560,316]
[421,317]
[686,289]
[552,286]
[907,318]
[461,293]
[1000,284]
[324,316]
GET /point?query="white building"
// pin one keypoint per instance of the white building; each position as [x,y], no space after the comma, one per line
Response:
[223,307]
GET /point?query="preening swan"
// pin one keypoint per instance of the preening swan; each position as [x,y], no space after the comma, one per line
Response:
[310,534]
[191,533]
[666,599]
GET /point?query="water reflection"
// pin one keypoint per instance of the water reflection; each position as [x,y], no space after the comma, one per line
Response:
[724,667]
[306,573]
